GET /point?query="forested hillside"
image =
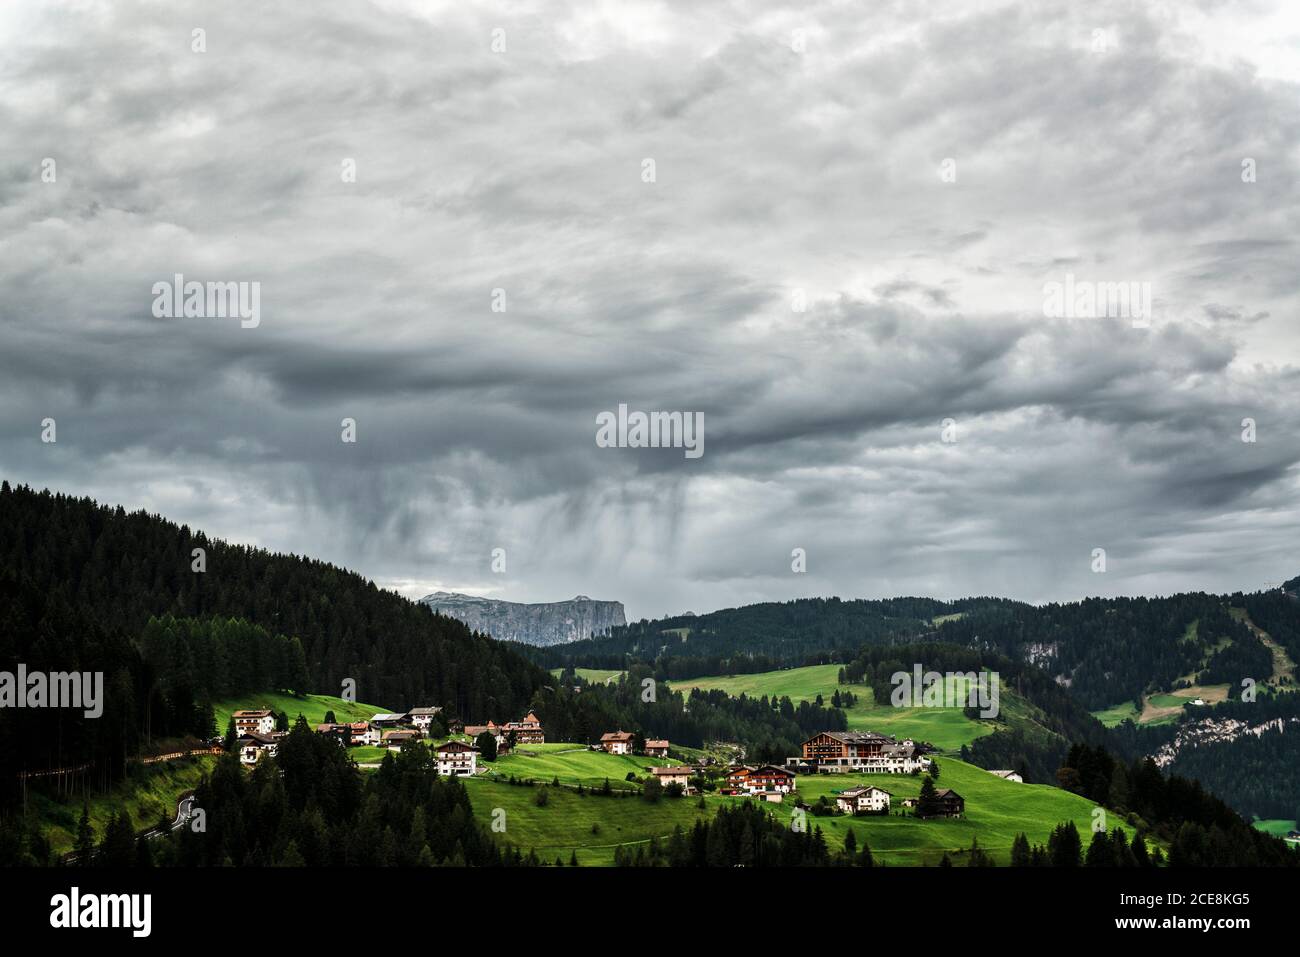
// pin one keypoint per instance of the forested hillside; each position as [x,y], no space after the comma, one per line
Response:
[123,569]
[760,637]
[1110,650]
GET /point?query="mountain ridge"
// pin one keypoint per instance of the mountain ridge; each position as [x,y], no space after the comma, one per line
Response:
[534,623]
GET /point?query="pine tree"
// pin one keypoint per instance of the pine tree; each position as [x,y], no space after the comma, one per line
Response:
[1020,853]
[1064,847]
[83,847]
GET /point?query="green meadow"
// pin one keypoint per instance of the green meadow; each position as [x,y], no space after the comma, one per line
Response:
[996,810]
[148,793]
[946,728]
[589,825]
[571,763]
[1277,828]
[1118,714]
[312,707]
[594,675]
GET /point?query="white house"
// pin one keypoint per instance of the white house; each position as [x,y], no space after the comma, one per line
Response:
[866,798]
[457,759]
[1009,776]
[617,742]
[258,721]
[674,775]
[252,745]
[422,717]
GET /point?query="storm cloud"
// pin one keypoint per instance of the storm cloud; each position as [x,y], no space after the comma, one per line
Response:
[840,261]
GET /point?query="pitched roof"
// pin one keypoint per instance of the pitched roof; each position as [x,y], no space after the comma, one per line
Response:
[254,713]
[455,746]
[856,737]
[617,736]
[863,789]
[674,771]
[656,744]
[415,711]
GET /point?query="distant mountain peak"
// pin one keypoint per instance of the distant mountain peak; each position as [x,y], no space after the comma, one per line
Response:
[542,623]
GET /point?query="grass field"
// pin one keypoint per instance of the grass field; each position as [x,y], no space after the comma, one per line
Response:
[946,728]
[996,810]
[565,825]
[571,763]
[1118,714]
[1161,708]
[594,675]
[148,793]
[1276,827]
[312,707]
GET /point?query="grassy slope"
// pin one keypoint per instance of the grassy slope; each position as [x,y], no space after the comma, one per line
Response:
[946,728]
[1277,828]
[149,793]
[571,763]
[312,706]
[1167,707]
[996,811]
[594,675]
[564,826]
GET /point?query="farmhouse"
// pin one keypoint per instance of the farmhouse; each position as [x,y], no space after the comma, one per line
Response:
[866,799]
[363,733]
[951,804]
[527,731]
[387,720]
[766,781]
[617,742]
[393,740]
[674,775]
[738,779]
[1009,776]
[457,759]
[260,721]
[656,749]
[867,752]
[422,717]
[253,744]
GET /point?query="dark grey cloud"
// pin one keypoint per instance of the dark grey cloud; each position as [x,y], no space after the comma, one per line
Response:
[782,178]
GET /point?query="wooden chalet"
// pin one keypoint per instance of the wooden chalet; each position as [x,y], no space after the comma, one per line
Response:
[617,742]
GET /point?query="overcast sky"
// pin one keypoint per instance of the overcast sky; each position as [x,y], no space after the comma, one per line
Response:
[804,152]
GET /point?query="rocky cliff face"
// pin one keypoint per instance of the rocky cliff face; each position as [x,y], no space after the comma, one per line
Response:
[549,623]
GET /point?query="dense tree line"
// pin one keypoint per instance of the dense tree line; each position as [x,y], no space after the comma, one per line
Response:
[307,806]
[1110,650]
[755,638]
[124,569]
[1258,774]
[1201,829]
[743,835]
[1278,614]
[48,634]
